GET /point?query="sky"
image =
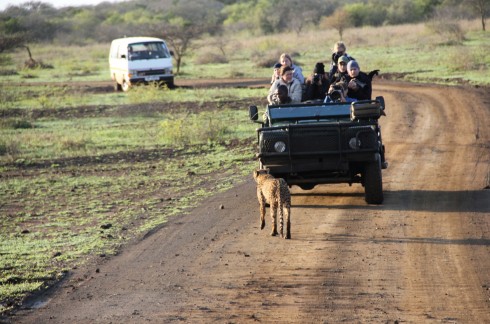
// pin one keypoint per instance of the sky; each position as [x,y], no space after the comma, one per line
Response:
[56,3]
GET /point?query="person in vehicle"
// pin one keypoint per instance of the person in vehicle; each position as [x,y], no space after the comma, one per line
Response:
[276,74]
[285,59]
[281,96]
[317,83]
[341,71]
[359,83]
[294,87]
[339,49]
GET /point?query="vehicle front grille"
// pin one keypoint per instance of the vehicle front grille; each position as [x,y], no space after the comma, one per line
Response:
[314,139]
[151,72]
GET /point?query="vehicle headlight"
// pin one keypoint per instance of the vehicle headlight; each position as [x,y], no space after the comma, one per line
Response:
[280,146]
[354,143]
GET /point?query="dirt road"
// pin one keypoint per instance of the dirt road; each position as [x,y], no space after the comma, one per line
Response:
[421,257]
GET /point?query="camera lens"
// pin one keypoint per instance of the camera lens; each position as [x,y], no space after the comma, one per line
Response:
[335,95]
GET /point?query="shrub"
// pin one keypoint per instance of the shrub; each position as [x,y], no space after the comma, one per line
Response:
[194,129]
[211,58]
[450,31]
[16,124]
[9,147]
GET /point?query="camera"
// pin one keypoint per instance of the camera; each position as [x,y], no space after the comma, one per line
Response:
[317,78]
[335,93]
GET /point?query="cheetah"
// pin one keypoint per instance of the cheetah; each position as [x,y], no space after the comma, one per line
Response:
[276,193]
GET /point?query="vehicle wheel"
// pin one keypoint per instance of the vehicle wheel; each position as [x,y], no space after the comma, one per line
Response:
[373,182]
[308,186]
[117,86]
[125,86]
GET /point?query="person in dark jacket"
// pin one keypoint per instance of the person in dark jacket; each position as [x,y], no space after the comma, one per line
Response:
[359,83]
[317,83]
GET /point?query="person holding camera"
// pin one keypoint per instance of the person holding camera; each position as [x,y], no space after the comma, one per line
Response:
[341,73]
[295,90]
[317,83]
[339,49]
[359,83]
[338,93]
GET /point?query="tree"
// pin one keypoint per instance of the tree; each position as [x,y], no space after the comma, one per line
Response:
[340,20]
[186,21]
[9,42]
[481,8]
[179,35]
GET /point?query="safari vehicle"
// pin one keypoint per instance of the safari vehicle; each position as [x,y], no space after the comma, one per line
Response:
[318,143]
[140,60]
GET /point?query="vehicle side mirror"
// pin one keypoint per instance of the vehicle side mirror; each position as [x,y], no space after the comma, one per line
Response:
[172,53]
[381,101]
[123,56]
[253,113]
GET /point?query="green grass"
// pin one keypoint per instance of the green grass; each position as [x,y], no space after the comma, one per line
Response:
[45,97]
[49,139]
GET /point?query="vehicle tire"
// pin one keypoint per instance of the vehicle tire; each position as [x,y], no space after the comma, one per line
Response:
[117,86]
[125,86]
[373,182]
[307,186]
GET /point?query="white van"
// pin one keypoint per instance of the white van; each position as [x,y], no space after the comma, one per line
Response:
[135,60]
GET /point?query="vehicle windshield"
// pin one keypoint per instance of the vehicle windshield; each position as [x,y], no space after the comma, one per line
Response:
[147,51]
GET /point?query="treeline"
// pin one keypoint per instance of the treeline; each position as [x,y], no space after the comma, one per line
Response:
[41,22]
[182,21]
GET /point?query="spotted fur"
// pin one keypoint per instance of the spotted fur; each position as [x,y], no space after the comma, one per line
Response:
[276,193]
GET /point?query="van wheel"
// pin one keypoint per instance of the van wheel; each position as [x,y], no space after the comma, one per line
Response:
[117,86]
[125,86]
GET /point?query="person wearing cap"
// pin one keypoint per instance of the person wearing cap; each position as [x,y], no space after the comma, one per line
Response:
[276,75]
[359,83]
[317,83]
[295,90]
[341,72]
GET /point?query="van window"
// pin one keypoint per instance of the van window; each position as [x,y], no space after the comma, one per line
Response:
[147,50]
